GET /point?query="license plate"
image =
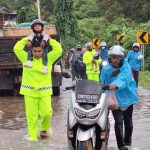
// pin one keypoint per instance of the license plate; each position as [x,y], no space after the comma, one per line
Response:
[84,98]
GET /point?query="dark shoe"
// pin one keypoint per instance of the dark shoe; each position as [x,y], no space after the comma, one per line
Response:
[44,134]
[128,143]
[124,148]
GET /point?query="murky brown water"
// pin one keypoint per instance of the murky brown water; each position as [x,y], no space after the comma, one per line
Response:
[13,124]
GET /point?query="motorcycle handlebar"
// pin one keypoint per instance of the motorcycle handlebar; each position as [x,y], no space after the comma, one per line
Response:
[105,87]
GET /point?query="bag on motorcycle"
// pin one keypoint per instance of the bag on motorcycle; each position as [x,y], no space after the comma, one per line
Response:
[112,101]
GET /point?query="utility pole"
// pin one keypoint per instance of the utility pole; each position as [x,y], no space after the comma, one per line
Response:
[39,11]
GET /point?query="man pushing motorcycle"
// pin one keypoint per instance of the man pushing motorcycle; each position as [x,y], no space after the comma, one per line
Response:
[124,87]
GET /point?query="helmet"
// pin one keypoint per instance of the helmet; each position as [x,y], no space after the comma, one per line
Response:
[103,44]
[36,21]
[136,45]
[116,50]
[88,45]
[119,52]
[79,47]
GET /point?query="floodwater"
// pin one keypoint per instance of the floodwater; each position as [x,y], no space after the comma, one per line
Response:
[13,126]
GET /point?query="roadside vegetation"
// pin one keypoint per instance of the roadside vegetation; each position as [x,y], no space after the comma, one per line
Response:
[144,79]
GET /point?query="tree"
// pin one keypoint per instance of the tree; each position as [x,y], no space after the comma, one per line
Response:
[137,10]
[66,22]
[26,14]
[27,9]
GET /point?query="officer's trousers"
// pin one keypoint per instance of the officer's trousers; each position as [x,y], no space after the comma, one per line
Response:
[38,114]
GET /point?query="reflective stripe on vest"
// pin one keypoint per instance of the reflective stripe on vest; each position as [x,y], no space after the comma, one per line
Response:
[27,87]
[44,88]
[89,69]
[32,88]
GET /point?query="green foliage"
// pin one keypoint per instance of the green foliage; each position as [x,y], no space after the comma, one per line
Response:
[66,22]
[86,9]
[27,9]
[25,14]
[47,7]
[137,10]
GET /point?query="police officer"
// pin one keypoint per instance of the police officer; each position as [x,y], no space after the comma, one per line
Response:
[92,60]
[37,87]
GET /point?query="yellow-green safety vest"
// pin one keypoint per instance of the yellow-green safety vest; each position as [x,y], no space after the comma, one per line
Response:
[34,82]
[87,60]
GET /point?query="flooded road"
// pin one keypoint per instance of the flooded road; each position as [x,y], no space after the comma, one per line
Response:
[13,126]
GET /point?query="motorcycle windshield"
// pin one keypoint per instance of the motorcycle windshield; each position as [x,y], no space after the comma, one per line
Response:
[88,91]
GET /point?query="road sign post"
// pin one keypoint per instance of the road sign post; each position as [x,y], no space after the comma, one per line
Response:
[39,11]
[143,53]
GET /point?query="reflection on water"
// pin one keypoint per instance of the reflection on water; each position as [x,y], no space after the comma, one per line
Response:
[12,113]
[12,116]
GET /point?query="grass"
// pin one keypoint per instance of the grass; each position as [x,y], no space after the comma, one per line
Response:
[144,79]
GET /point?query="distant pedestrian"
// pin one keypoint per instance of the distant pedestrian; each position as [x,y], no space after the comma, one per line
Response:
[103,54]
[135,59]
[103,50]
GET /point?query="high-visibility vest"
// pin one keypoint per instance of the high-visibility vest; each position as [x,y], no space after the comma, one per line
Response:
[87,60]
[34,82]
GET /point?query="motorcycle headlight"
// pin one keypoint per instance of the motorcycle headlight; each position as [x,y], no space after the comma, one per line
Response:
[93,114]
[90,115]
[104,63]
[79,113]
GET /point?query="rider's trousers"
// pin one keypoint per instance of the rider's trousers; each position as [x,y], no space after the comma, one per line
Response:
[123,117]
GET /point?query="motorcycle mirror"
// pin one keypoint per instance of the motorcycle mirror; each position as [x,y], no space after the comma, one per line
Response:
[115,72]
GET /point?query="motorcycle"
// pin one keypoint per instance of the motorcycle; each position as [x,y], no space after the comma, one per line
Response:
[88,124]
[87,121]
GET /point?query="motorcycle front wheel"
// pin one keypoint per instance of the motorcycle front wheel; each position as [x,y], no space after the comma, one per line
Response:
[85,145]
